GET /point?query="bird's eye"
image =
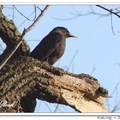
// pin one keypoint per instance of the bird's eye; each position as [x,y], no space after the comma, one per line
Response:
[67,33]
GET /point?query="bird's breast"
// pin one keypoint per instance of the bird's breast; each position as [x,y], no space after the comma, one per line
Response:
[61,48]
[57,53]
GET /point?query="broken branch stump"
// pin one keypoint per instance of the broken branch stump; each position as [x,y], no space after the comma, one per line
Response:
[26,75]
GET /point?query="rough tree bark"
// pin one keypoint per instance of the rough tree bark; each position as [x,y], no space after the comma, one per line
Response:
[10,36]
[26,76]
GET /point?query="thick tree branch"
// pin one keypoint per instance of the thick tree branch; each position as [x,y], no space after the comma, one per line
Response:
[20,40]
[26,75]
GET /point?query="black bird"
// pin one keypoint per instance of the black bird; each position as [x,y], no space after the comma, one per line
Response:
[52,46]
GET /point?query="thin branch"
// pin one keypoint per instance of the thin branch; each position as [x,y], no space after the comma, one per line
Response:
[38,18]
[56,108]
[25,20]
[39,9]
[30,15]
[35,11]
[72,60]
[112,25]
[13,9]
[110,11]
[21,13]
[77,14]
[20,39]
[48,107]
[116,106]
[93,70]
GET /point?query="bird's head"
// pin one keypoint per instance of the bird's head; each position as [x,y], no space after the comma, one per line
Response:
[64,31]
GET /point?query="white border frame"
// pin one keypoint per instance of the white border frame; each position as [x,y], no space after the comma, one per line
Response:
[60,2]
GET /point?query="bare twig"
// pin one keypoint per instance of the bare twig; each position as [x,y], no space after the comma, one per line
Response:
[110,11]
[39,9]
[22,13]
[93,70]
[56,108]
[117,105]
[112,25]
[25,20]
[13,9]
[38,18]
[48,107]
[35,11]
[20,39]
[77,14]
[30,15]
[72,60]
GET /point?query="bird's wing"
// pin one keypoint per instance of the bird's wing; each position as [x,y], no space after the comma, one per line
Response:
[46,46]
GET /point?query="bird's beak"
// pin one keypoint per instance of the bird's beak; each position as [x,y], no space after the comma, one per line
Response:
[70,35]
